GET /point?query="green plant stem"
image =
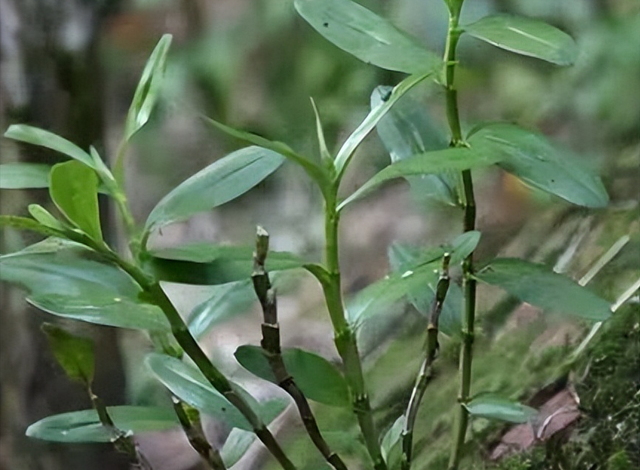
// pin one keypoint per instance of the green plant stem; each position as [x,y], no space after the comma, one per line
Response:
[344,335]
[271,347]
[468,201]
[426,369]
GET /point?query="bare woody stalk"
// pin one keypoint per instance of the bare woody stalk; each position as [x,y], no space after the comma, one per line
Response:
[469,205]
[426,369]
[271,346]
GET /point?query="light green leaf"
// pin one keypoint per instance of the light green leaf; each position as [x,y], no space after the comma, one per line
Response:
[457,159]
[313,170]
[218,183]
[85,426]
[45,218]
[236,445]
[539,286]
[70,281]
[23,223]
[324,152]
[188,384]
[494,407]
[74,353]
[533,159]
[525,36]
[355,139]
[24,175]
[367,36]
[318,379]
[148,88]
[226,301]
[35,136]
[74,190]
[391,445]
[407,130]
[207,264]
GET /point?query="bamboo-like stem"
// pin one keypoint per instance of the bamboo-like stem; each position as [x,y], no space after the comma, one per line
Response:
[344,335]
[189,419]
[468,200]
[426,369]
[271,346]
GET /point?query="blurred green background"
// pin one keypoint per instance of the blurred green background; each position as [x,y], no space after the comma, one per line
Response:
[71,67]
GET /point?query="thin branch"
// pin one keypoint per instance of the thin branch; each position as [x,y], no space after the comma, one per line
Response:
[271,346]
[426,369]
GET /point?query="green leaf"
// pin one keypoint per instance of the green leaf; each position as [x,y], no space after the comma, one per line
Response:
[74,190]
[313,170]
[218,183]
[85,426]
[23,223]
[463,245]
[407,130]
[355,139]
[24,175]
[391,445]
[322,144]
[494,407]
[530,157]
[525,36]
[226,301]
[457,159]
[188,384]
[70,281]
[148,88]
[45,218]
[318,379]
[236,445]
[207,264]
[539,286]
[35,136]
[74,353]
[365,35]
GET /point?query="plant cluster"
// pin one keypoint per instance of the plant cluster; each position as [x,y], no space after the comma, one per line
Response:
[74,273]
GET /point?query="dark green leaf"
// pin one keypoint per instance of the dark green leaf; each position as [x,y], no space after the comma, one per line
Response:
[226,301]
[463,245]
[236,446]
[74,353]
[438,161]
[207,264]
[531,157]
[407,130]
[24,175]
[367,36]
[68,280]
[525,36]
[148,88]
[494,407]
[35,136]
[218,183]
[74,190]
[318,379]
[539,286]
[355,139]
[188,384]
[391,445]
[84,426]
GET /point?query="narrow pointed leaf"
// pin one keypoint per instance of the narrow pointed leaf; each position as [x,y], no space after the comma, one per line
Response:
[85,426]
[148,88]
[324,152]
[45,218]
[188,384]
[74,190]
[24,175]
[23,223]
[74,353]
[217,184]
[318,379]
[208,264]
[355,139]
[494,407]
[407,130]
[315,172]
[391,443]
[525,36]
[367,36]
[533,159]
[42,138]
[539,286]
[457,159]
[70,281]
